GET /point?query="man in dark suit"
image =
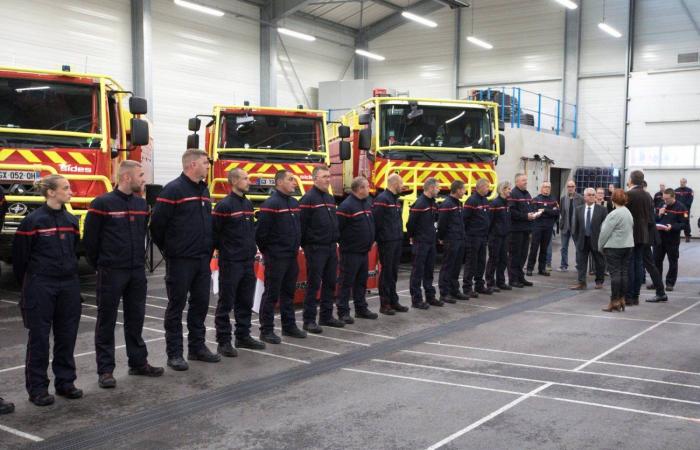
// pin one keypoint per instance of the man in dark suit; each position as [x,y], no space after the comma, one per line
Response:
[588,219]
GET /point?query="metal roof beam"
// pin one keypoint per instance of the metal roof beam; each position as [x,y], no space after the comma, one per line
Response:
[395,20]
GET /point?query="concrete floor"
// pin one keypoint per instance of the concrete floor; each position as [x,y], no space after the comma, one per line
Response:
[539,367]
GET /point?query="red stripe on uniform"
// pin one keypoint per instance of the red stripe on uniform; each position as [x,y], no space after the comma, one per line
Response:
[118,213]
[358,213]
[279,211]
[46,231]
[320,205]
[233,214]
[182,200]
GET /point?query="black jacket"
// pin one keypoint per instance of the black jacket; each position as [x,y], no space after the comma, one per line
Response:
[578,228]
[279,226]
[519,204]
[550,214]
[319,224]
[421,220]
[234,229]
[640,205]
[356,225]
[659,200]
[451,220]
[181,219]
[386,209]
[115,231]
[3,207]
[675,215]
[45,243]
[477,217]
[500,217]
[685,196]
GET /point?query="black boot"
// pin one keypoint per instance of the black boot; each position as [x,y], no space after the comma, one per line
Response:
[204,355]
[6,407]
[227,350]
[250,343]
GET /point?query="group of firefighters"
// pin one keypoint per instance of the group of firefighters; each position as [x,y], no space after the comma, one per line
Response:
[334,238]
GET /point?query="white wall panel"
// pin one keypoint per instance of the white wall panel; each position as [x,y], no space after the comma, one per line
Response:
[88,35]
[600,52]
[198,61]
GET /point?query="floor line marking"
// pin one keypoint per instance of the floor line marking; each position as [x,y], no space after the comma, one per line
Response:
[21,434]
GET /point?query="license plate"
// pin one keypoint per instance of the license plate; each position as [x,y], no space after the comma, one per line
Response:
[19,175]
[266,181]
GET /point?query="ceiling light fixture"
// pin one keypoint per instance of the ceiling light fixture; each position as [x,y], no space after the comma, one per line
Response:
[369,55]
[199,8]
[475,40]
[568,3]
[419,19]
[607,28]
[296,34]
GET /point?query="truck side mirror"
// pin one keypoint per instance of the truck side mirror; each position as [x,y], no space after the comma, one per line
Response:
[344,151]
[343,132]
[193,141]
[138,105]
[194,123]
[502,143]
[139,132]
[365,119]
[501,125]
[365,140]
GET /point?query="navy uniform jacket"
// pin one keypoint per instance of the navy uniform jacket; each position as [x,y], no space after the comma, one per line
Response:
[388,223]
[550,214]
[319,224]
[500,217]
[115,231]
[356,225]
[279,226]
[675,215]
[519,204]
[421,220]
[45,243]
[451,220]
[181,219]
[3,207]
[685,196]
[477,218]
[659,200]
[234,228]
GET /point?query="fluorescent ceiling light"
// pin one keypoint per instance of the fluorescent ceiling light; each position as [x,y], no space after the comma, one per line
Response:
[419,19]
[568,3]
[479,42]
[34,88]
[610,30]
[296,34]
[369,55]
[199,8]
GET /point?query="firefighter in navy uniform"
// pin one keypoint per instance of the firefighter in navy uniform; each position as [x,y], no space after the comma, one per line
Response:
[477,222]
[114,237]
[45,264]
[5,407]
[670,220]
[498,240]
[685,195]
[388,223]
[542,228]
[181,227]
[357,234]
[278,236]
[319,239]
[234,238]
[521,215]
[659,198]
[451,233]
[423,236]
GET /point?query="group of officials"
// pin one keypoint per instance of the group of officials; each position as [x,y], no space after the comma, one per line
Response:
[187,231]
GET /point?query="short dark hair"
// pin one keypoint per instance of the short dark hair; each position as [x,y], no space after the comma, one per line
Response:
[670,192]
[456,185]
[644,183]
[317,169]
[637,177]
[280,175]
[357,183]
[619,197]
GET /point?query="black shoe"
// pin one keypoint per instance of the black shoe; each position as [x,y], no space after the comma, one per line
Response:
[485,291]
[43,399]
[270,337]
[107,381]
[347,318]
[398,307]
[471,294]
[526,283]
[332,322]
[544,273]
[517,285]
[435,302]
[669,288]
[71,392]
[294,332]
[494,289]
[421,305]
[147,371]
[632,301]
[312,327]
[6,407]
[227,350]
[447,299]
[504,287]
[204,355]
[650,287]
[386,309]
[459,296]
[528,273]
[250,343]
[178,363]
[366,314]
[657,299]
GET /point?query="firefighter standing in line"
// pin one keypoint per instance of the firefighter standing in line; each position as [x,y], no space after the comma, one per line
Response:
[452,234]
[319,239]
[542,228]
[477,221]
[498,240]
[521,215]
[234,238]
[278,236]
[386,210]
[181,227]
[114,236]
[685,195]
[421,232]
[357,233]
[659,198]
[670,220]
[45,264]
[5,406]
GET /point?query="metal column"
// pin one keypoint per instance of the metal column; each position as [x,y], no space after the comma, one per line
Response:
[141,45]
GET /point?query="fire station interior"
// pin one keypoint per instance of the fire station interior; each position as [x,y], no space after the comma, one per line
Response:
[561,91]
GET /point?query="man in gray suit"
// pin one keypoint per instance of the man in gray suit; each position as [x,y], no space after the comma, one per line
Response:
[587,221]
[567,205]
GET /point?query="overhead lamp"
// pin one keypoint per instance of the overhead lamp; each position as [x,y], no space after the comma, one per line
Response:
[419,19]
[610,30]
[296,34]
[479,42]
[199,8]
[568,3]
[369,55]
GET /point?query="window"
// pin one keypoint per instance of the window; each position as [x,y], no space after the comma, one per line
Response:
[644,156]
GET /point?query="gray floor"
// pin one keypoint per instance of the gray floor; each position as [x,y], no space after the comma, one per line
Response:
[539,367]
